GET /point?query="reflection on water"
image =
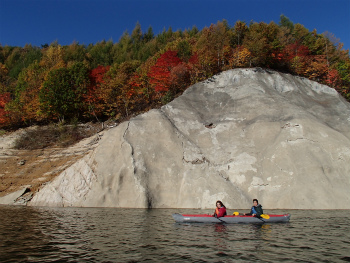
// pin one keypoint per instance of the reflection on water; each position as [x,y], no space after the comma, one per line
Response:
[135,235]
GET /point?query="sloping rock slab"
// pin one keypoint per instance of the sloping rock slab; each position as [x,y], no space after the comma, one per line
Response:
[243,134]
[10,199]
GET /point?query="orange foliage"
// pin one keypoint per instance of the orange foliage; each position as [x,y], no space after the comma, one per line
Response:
[4,99]
[179,77]
[241,57]
[29,85]
[316,68]
[333,78]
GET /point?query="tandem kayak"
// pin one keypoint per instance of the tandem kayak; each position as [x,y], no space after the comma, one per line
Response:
[179,218]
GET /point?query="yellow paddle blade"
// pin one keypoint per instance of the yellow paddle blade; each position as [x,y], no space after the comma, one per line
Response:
[235,213]
[265,216]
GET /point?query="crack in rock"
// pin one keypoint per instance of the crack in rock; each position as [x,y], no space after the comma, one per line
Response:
[144,180]
[289,125]
[197,160]
[297,139]
[131,147]
[257,185]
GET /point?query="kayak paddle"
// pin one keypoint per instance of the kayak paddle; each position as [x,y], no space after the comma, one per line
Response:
[265,216]
[219,219]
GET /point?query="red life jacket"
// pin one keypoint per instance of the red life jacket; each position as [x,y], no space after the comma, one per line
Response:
[220,212]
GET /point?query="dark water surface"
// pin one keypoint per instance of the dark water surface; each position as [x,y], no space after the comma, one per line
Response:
[137,235]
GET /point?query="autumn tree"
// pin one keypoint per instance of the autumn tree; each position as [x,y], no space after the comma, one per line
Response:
[239,30]
[149,35]
[12,60]
[191,32]
[95,98]
[26,102]
[296,57]
[122,50]
[316,68]
[74,53]
[140,82]
[184,50]
[210,48]
[3,78]
[116,90]
[25,107]
[4,99]
[53,57]
[343,68]
[259,41]
[100,54]
[286,23]
[62,93]
[136,39]
[160,73]
[180,78]
[241,57]
[22,58]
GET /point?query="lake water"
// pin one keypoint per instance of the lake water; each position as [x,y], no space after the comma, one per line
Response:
[137,235]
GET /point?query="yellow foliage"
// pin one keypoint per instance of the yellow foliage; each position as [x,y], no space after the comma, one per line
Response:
[28,87]
[241,57]
[53,58]
[3,71]
[298,65]
[316,69]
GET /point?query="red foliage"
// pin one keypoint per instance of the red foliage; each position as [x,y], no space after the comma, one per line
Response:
[333,78]
[92,96]
[133,85]
[135,81]
[277,56]
[160,73]
[97,75]
[4,99]
[130,93]
[194,60]
[294,50]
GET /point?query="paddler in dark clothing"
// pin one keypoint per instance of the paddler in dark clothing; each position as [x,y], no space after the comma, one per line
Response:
[220,210]
[256,209]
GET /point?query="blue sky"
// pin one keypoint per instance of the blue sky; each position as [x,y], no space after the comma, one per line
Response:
[38,22]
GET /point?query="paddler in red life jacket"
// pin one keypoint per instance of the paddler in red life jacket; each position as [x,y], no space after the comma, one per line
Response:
[220,210]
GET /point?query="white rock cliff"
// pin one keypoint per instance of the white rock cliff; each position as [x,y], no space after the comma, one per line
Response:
[243,134]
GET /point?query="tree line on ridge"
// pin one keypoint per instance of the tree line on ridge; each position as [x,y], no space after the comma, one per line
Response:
[55,83]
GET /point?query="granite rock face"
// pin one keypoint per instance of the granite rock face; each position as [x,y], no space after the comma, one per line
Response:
[243,134]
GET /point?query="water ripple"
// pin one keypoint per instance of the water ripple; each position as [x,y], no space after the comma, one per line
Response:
[138,235]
